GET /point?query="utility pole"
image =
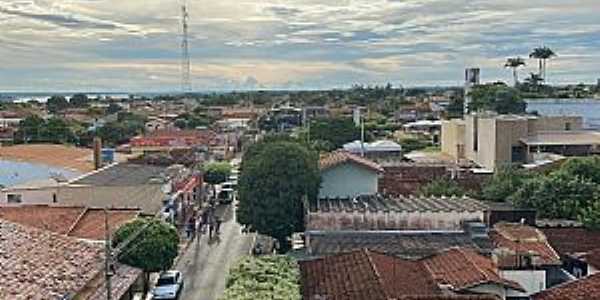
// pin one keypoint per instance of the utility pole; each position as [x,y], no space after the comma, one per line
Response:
[107,257]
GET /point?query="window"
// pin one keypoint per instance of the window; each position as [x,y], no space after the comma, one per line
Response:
[567,126]
[14,198]
[54,200]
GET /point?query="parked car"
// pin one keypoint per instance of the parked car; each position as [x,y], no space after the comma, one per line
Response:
[168,286]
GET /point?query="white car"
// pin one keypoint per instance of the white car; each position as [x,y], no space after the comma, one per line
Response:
[168,286]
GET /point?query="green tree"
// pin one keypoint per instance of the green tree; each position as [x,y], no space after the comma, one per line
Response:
[590,216]
[558,195]
[514,63]
[56,104]
[497,97]
[542,54]
[275,178]
[504,183]
[79,100]
[411,144]
[216,173]
[154,248]
[585,167]
[336,131]
[264,277]
[442,187]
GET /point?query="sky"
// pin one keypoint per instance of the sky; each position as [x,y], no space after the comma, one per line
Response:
[134,45]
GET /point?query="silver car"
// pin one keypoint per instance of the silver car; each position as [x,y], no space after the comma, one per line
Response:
[168,286]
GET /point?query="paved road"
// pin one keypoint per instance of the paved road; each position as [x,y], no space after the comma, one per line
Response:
[206,263]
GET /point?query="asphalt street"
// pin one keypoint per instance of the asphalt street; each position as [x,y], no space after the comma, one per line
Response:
[206,262]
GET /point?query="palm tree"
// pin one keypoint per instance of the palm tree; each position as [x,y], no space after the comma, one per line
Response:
[542,54]
[534,81]
[514,63]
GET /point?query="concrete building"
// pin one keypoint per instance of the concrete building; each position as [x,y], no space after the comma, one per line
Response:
[491,140]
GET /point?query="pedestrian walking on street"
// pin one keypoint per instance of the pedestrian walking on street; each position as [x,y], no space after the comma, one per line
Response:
[218,222]
[189,230]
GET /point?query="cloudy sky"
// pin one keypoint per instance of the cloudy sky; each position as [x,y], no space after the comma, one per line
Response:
[133,45]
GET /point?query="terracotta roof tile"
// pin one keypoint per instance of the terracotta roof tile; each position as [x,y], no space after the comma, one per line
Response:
[587,288]
[362,275]
[74,221]
[339,157]
[464,268]
[569,240]
[38,264]
[522,239]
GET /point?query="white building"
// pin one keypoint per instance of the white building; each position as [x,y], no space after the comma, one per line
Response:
[347,175]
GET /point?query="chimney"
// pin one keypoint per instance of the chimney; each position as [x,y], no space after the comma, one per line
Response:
[97,153]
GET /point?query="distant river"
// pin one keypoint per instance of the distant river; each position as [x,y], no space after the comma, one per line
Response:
[16,172]
[589,109]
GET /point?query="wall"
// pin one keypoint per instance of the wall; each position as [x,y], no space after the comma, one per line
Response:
[532,281]
[508,134]
[348,180]
[148,197]
[30,196]
[554,123]
[489,289]
[453,138]
[407,179]
[380,220]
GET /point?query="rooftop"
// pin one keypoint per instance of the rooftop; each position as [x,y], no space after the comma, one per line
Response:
[522,239]
[67,157]
[587,288]
[464,268]
[572,240]
[559,138]
[48,265]
[364,274]
[121,174]
[74,221]
[376,203]
[405,244]
[53,266]
[339,157]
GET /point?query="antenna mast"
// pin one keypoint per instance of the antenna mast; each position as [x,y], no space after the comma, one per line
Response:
[186,84]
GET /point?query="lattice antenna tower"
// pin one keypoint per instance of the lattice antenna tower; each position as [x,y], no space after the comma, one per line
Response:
[186,83]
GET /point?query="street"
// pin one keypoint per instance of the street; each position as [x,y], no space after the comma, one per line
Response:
[205,264]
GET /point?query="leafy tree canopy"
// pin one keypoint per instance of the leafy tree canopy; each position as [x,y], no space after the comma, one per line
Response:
[275,177]
[335,131]
[504,183]
[153,250]
[217,172]
[265,277]
[79,100]
[497,97]
[56,104]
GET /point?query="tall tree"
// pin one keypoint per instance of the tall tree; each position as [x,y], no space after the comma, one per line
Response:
[497,97]
[79,100]
[542,54]
[154,249]
[56,104]
[216,173]
[276,176]
[336,131]
[514,63]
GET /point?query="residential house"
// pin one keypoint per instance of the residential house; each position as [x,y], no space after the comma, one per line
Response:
[577,246]
[314,112]
[53,266]
[347,175]
[164,141]
[458,274]
[491,140]
[73,221]
[524,255]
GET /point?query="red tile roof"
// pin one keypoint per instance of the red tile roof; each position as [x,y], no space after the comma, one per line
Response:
[364,274]
[74,221]
[523,239]
[464,268]
[587,288]
[340,157]
[38,264]
[572,240]
[173,138]
[593,258]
